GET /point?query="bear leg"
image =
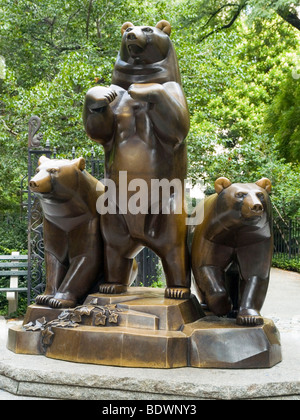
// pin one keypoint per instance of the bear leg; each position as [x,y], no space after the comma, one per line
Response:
[211,282]
[254,291]
[55,275]
[176,269]
[119,272]
[81,276]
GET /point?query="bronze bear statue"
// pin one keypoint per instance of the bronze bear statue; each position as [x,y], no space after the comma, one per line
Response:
[142,121]
[71,228]
[236,229]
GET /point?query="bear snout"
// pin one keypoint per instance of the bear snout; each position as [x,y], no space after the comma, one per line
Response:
[136,39]
[252,211]
[257,208]
[40,184]
[252,207]
[33,185]
[131,36]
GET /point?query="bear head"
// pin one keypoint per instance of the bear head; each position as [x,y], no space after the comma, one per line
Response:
[56,177]
[146,55]
[244,203]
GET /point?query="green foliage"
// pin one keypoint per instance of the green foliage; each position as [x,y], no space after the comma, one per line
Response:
[282,120]
[232,79]
[160,284]
[13,234]
[266,8]
[53,54]
[292,264]
[238,71]
[286,190]
[217,15]
[244,106]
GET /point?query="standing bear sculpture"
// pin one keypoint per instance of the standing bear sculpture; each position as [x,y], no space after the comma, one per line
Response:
[142,121]
[236,229]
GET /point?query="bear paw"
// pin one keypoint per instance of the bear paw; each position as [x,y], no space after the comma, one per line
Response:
[99,97]
[43,299]
[249,318]
[177,292]
[61,303]
[112,288]
[147,92]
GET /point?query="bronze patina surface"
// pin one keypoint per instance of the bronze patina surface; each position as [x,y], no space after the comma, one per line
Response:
[142,121]
[142,328]
[236,228]
[71,230]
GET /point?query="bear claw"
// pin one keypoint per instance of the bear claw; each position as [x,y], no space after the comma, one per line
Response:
[249,321]
[249,318]
[112,288]
[177,292]
[61,303]
[43,299]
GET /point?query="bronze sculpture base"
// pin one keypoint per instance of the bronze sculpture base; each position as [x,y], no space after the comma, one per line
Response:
[141,328]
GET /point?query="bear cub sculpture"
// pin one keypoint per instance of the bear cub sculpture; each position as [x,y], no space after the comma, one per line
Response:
[236,229]
[142,121]
[71,227]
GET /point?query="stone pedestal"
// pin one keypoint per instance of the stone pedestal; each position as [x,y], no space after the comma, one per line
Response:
[141,328]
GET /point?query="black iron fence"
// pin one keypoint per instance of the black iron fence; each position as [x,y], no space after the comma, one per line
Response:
[287,239]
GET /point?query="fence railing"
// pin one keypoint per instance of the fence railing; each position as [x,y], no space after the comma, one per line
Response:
[287,239]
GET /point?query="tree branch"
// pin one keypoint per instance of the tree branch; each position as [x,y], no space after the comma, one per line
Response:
[218,11]
[68,22]
[87,26]
[7,128]
[239,7]
[289,16]
[54,46]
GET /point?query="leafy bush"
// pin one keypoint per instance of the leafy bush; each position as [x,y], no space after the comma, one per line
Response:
[13,234]
[292,264]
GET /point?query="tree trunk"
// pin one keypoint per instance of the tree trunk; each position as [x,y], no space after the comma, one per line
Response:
[289,16]
[87,27]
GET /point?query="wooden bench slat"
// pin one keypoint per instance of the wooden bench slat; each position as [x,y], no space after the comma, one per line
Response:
[14,273]
[13,264]
[13,257]
[18,265]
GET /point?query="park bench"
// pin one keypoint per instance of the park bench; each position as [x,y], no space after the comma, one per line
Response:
[13,266]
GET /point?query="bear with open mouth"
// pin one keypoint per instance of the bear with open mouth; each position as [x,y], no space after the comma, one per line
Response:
[142,121]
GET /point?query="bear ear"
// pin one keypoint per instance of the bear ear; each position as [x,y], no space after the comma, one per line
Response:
[80,163]
[265,183]
[221,184]
[164,26]
[125,26]
[43,159]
